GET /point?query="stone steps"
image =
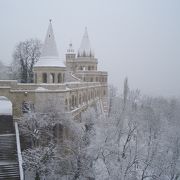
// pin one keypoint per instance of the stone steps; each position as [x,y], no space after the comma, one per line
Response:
[8,147]
[9,171]
[9,167]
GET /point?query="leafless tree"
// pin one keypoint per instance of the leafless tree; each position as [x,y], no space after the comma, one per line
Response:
[26,54]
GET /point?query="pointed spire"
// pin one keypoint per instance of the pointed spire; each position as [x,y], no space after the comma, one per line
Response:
[49,47]
[49,56]
[85,48]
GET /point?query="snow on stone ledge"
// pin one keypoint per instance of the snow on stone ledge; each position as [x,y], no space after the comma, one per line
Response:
[5,106]
[41,89]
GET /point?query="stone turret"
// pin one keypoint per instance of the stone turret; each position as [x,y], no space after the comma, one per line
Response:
[85,58]
[49,68]
[70,59]
[85,47]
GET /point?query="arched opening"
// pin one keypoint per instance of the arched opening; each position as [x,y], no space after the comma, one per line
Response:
[6,106]
[80,99]
[6,118]
[58,132]
[52,78]
[66,104]
[35,78]
[70,103]
[63,79]
[73,101]
[44,78]
[59,78]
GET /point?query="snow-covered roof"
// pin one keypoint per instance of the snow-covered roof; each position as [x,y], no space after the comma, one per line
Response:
[49,62]
[85,47]
[49,56]
[5,106]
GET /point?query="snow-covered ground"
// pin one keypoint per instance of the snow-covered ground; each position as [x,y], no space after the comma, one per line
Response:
[5,106]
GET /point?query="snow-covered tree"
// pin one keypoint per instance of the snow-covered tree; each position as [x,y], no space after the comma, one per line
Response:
[137,141]
[25,55]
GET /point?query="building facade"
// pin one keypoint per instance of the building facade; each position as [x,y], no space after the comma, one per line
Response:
[71,86]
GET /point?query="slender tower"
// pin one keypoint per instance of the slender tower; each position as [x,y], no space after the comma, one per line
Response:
[49,68]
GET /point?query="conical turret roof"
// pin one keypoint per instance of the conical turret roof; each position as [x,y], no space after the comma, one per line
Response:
[85,47]
[49,47]
[49,55]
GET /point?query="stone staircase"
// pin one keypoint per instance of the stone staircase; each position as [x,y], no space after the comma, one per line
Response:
[9,166]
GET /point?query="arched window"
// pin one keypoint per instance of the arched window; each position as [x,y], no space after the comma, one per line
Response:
[91,79]
[63,79]
[59,78]
[89,67]
[58,131]
[73,101]
[35,78]
[66,104]
[70,103]
[44,78]
[80,99]
[52,78]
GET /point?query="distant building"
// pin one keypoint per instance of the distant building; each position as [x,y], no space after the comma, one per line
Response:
[73,85]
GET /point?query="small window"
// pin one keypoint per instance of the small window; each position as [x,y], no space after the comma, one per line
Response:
[80,99]
[44,78]
[35,78]
[63,79]
[52,78]
[59,78]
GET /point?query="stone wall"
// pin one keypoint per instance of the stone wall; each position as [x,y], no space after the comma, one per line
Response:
[67,96]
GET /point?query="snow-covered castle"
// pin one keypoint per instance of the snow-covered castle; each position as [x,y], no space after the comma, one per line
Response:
[73,85]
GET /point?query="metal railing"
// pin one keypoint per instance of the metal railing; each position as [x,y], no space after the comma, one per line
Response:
[19,152]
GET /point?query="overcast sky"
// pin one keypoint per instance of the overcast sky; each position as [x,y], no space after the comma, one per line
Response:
[139,39]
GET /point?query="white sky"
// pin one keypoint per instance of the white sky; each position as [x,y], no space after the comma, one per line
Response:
[135,38]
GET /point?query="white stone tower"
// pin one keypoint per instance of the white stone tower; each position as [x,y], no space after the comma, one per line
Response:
[49,68]
[85,55]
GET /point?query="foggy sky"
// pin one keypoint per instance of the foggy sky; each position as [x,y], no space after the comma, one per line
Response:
[139,39]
